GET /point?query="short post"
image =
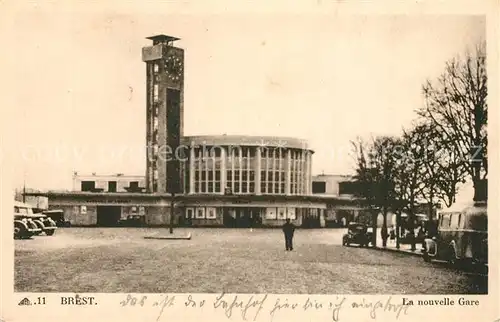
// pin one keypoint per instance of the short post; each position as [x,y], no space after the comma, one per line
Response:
[374,228]
[398,229]
[172,213]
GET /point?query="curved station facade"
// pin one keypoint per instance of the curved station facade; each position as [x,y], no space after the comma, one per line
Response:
[257,178]
[223,181]
[245,165]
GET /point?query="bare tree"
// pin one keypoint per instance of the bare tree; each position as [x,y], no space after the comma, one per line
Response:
[409,178]
[375,175]
[400,192]
[442,171]
[456,106]
[366,180]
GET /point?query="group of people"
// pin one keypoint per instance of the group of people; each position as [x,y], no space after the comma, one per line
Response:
[424,229]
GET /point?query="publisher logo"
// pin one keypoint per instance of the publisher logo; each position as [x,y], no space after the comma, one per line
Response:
[24,301]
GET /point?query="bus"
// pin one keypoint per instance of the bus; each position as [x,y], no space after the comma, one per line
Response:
[461,236]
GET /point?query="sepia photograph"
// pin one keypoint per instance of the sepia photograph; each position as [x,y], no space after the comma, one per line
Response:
[250,153]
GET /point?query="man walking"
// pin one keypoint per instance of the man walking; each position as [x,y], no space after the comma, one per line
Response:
[288,230]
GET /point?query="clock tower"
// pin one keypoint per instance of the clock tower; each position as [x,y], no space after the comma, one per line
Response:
[164,113]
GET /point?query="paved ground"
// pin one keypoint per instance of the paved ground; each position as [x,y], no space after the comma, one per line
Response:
[229,260]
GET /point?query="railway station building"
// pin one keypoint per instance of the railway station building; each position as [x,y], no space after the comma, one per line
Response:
[218,181]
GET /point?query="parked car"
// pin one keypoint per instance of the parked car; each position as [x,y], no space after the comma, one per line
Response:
[57,215]
[462,236]
[357,233]
[24,226]
[46,224]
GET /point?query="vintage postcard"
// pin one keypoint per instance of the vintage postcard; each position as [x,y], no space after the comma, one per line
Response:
[253,161]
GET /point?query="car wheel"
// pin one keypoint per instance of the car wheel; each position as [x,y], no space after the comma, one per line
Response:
[50,232]
[17,232]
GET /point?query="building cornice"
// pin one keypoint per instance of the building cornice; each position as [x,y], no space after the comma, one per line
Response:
[195,197]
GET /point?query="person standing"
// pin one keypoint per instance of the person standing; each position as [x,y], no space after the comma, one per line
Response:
[392,234]
[288,230]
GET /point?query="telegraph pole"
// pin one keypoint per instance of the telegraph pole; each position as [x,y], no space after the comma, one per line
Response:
[24,186]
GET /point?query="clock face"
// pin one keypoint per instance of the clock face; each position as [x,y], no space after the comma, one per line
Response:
[173,68]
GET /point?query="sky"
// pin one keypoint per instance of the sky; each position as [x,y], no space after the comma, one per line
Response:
[78,83]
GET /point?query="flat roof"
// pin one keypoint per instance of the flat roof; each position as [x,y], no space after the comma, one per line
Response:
[22,204]
[246,140]
[117,175]
[162,37]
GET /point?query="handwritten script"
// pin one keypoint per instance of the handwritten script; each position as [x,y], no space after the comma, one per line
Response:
[266,307]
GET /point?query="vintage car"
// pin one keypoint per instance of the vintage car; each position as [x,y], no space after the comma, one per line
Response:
[462,236]
[357,233]
[45,223]
[57,215]
[24,226]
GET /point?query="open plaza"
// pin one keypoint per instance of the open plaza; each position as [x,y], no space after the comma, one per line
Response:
[216,260]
